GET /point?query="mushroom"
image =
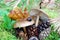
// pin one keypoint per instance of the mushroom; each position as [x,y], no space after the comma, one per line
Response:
[23,24]
[38,13]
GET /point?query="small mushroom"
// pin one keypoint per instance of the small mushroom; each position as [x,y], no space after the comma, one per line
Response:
[23,24]
[38,14]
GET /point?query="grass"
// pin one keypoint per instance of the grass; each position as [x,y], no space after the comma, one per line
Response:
[51,13]
[6,26]
[6,23]
[4,35]
[53,34]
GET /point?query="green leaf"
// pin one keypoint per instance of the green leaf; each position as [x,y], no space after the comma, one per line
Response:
[3,12]
[8,23]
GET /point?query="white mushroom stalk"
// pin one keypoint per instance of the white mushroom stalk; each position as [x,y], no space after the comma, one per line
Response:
[37,20]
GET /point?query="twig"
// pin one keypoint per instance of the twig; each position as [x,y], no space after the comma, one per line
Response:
[28,2]
[55,20]
[17,2]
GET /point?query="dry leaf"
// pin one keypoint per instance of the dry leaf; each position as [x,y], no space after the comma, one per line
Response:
[17,14]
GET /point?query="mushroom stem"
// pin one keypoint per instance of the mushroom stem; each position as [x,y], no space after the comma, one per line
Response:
[25,32]
[24,29]
[37,20]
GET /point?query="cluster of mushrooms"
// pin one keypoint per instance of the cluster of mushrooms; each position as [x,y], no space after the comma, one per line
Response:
[27,26]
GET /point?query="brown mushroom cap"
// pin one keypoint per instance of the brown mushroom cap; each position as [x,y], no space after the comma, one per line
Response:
[24,23]
[40,13]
